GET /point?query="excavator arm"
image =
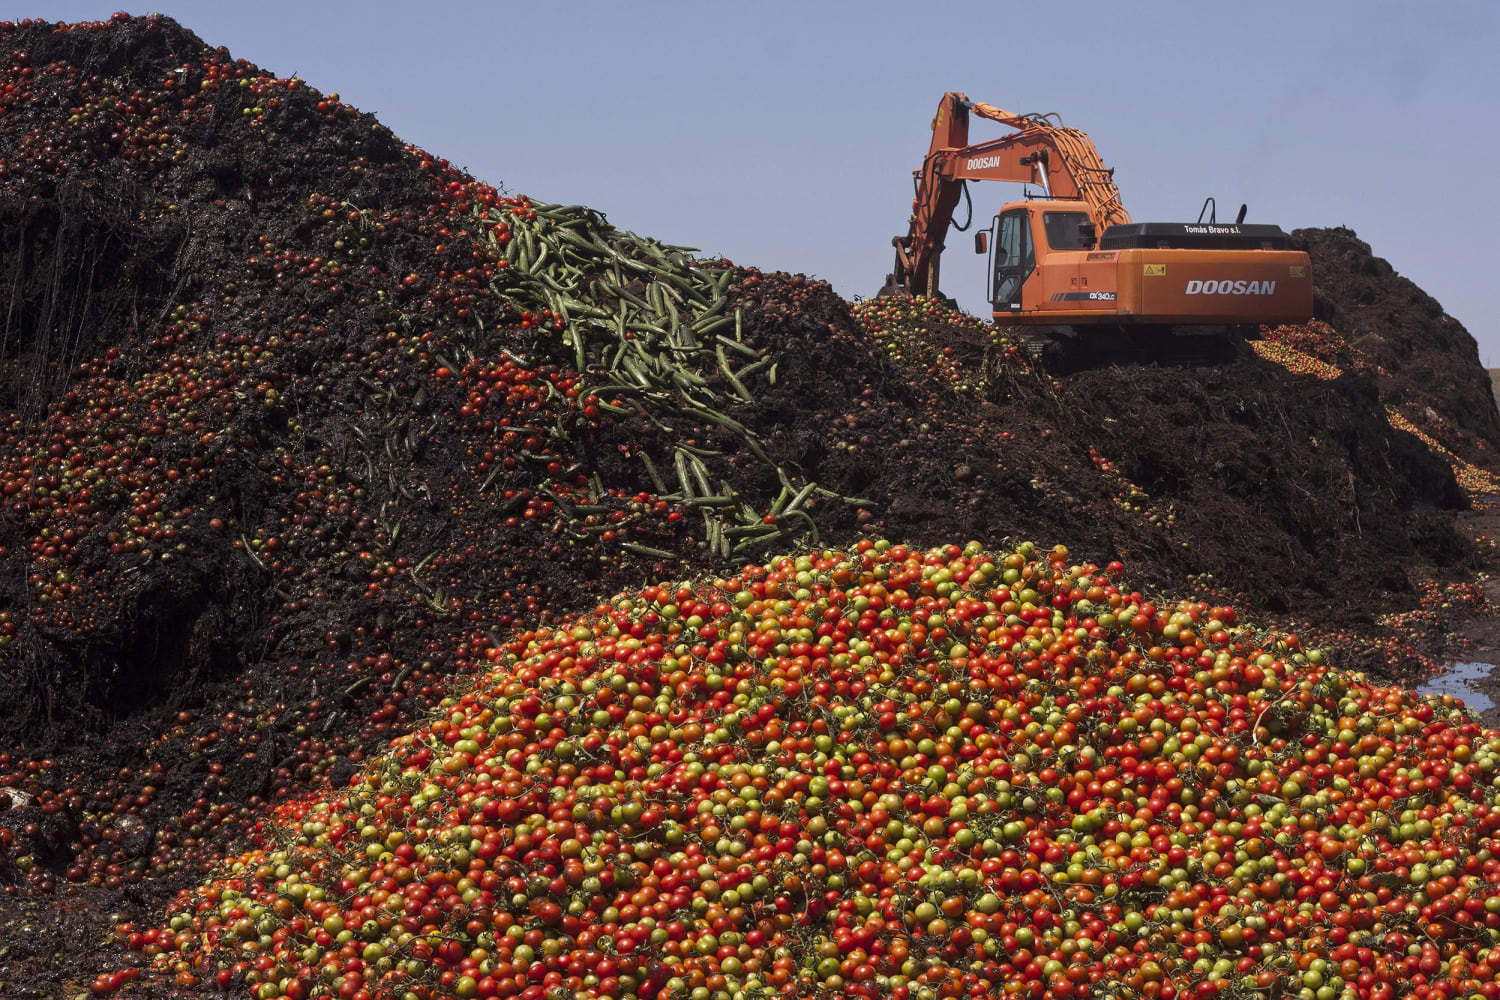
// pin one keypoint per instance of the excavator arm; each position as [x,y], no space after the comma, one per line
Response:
[1061,161]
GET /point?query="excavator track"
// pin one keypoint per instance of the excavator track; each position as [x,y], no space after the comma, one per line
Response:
[1070,349]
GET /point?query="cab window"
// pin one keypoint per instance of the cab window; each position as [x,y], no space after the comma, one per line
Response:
[1063,230]
[1014,258]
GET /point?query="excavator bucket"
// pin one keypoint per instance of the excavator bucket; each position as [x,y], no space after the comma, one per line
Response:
[895,282]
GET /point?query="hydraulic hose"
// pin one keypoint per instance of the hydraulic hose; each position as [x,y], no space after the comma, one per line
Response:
[964,187]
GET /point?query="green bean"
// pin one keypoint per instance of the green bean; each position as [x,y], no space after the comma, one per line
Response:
[743,349]
[541,257]
[734,382]
[757,367]
[751,531]
[646,551]
[628,296]
[802,495]
[700,474]
[720,501]
[570,334]
[711,324]
[679,458]
[661,487]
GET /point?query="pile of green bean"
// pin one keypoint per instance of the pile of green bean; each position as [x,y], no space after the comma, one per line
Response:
[644,322]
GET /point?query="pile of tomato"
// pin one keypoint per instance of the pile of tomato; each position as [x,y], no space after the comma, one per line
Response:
[884,772]
[919,334]
[1477,482]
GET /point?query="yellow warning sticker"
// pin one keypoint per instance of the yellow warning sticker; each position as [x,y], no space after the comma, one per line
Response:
[1299,271]
[1156,270]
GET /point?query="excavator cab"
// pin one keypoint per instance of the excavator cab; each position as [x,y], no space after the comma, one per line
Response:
[1025,232]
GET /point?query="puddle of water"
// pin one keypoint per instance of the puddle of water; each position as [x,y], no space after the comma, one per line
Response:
[1460,680]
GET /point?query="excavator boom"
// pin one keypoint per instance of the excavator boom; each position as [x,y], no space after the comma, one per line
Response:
[1061,161]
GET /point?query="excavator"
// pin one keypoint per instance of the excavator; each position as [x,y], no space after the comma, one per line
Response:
[1081,282]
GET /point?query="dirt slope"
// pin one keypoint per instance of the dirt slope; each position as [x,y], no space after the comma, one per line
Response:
[294,428]
[1432,362]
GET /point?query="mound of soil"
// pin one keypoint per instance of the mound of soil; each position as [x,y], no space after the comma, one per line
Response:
[1432,367]
[1244,473]
[302,421]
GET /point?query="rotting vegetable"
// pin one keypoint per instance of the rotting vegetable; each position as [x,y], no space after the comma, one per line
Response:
[886,773]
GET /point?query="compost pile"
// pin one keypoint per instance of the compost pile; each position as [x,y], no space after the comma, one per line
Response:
[1432,368]
[303,423]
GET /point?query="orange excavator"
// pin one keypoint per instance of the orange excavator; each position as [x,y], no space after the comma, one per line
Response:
[1069,268]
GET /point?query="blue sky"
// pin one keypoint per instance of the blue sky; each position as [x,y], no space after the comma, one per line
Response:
[784,134]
